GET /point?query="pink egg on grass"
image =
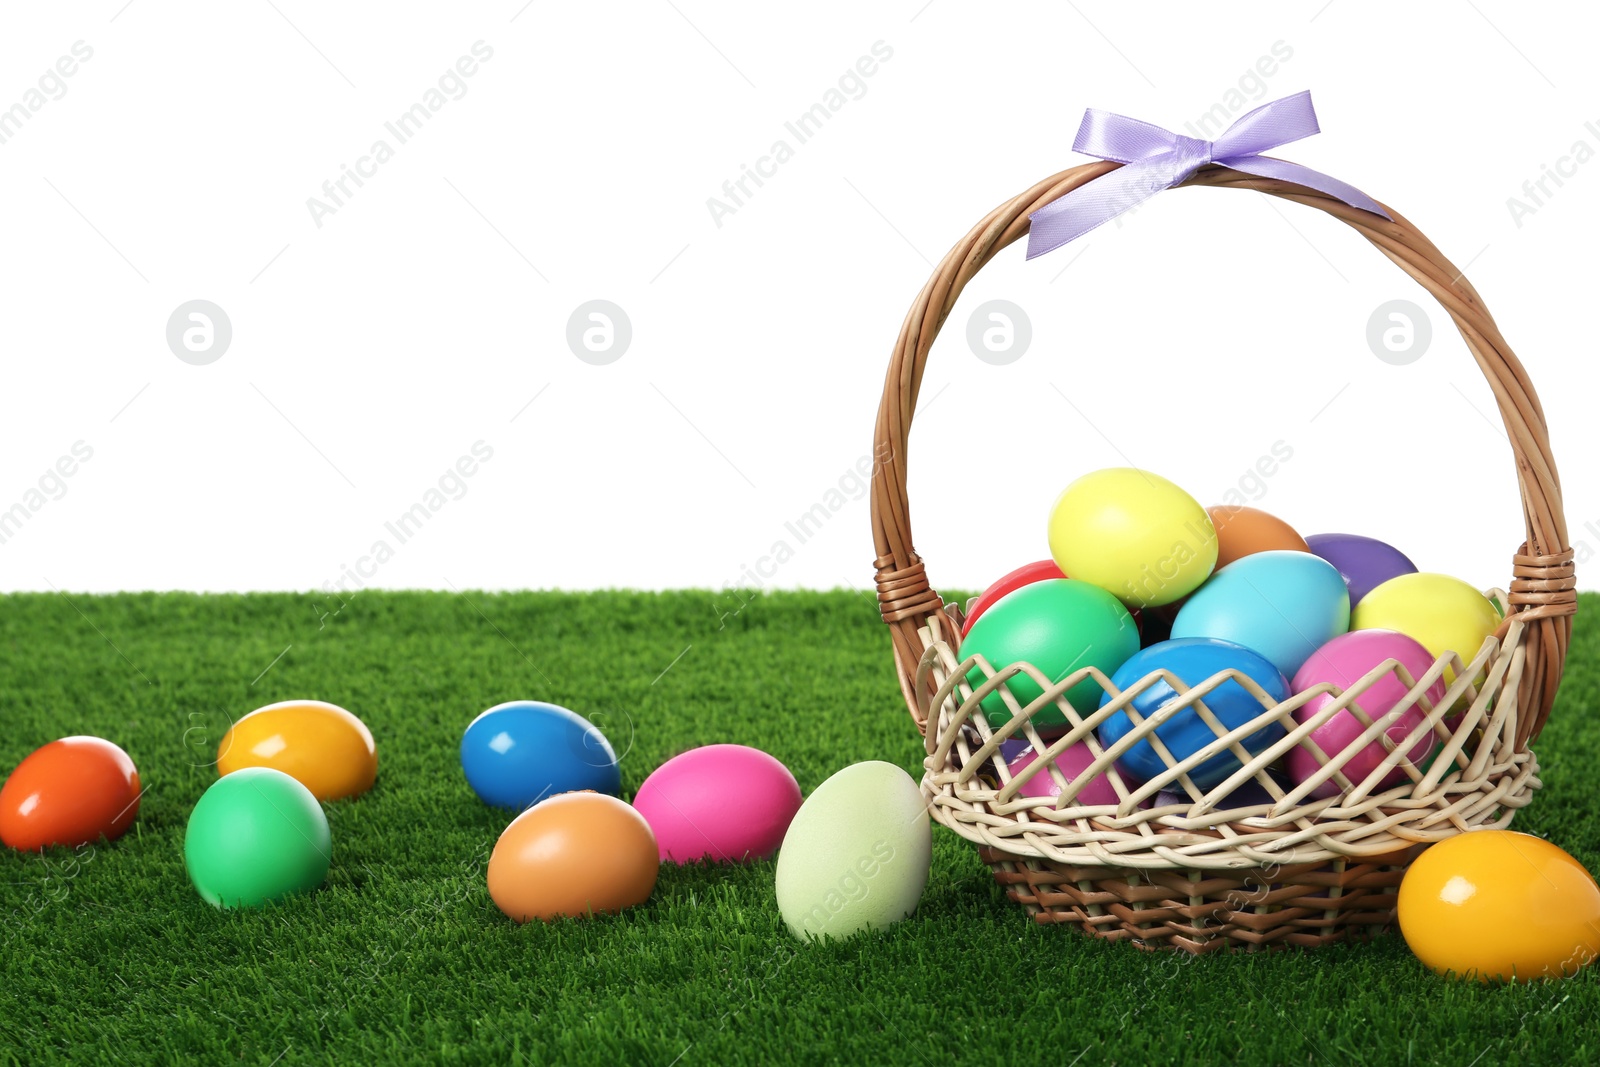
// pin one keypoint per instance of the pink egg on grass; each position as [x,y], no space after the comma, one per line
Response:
[1342,662]
[721,803]
[1071,763]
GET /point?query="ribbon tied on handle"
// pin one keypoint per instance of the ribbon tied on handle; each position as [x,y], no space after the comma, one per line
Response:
[1155,159]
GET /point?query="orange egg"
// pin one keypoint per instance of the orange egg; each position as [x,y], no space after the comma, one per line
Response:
[1243,531]
[575,854]
[1497,904]
[322,746]
[69,792]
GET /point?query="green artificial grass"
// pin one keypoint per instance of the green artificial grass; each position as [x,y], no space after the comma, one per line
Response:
[109,955]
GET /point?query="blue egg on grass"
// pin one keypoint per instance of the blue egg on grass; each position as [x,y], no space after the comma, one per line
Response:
[1282,605]
[1193,660]
[518,753]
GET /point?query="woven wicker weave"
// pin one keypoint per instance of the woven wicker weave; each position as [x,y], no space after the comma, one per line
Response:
[1197,874]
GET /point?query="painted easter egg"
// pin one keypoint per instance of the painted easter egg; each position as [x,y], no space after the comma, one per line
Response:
[520,752]
[1283,605]
[1248,794]
[1342,662]
[1072,762]
[1024,575]
[1192,661]
[320,745]
[1016,745]
[1134,534]
[70,792]
[1243,531]
[1059,625]
[857,854]
[1027,574]
[1442,613]
[724,803]
[255,836]
[1364,562]
[1497,904]
[574,855]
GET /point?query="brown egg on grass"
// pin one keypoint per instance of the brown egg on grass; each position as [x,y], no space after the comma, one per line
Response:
[574,855]
[1243,531]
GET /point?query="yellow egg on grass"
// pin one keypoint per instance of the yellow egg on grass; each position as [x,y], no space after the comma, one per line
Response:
[320,745]
[1134,534]
[1491,904]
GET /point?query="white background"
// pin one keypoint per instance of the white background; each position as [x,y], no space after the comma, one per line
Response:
[425,314]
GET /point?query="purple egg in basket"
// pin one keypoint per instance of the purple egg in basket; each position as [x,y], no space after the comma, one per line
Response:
[1249,794]
[1014,747]
[1363,562]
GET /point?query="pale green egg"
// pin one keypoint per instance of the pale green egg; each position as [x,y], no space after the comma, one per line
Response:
[856,855]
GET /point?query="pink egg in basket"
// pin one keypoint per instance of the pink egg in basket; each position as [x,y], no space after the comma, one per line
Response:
[1071,763]
[1343,661]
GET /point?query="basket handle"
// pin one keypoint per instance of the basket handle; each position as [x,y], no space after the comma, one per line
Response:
[1542,593]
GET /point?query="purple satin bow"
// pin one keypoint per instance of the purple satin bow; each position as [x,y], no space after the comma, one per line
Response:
[1155,159]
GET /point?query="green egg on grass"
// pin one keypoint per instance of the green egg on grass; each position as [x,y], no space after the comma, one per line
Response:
[856,856]
[256,835]
[1060,625]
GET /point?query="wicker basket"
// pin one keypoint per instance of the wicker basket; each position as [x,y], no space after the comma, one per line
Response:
[1200,874]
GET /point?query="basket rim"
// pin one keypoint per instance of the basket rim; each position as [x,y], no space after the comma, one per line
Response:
[1481,775]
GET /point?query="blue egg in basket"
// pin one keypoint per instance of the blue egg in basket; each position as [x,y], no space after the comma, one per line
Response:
[1284,605]
[1193,660]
